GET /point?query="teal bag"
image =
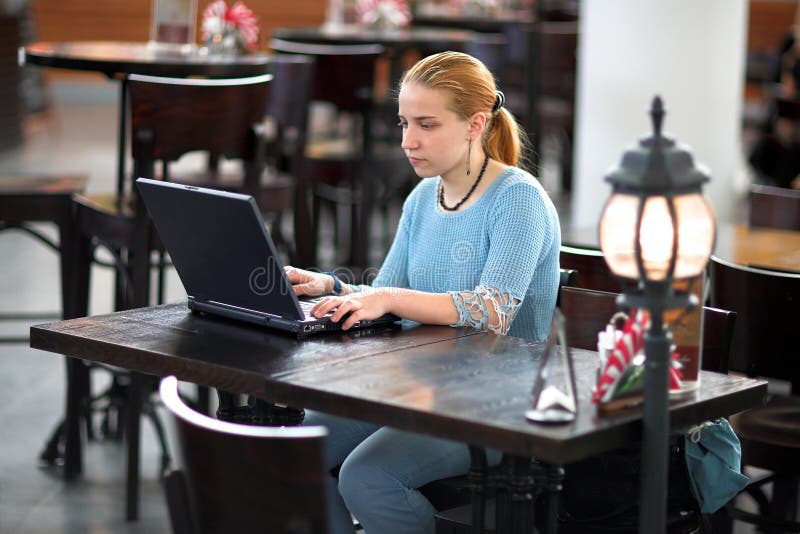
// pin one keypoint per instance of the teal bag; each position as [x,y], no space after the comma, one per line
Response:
[714,462]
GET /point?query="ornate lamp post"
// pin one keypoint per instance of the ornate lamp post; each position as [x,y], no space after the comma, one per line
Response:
[656,228]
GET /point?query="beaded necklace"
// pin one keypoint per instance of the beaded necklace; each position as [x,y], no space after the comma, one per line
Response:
[469,193]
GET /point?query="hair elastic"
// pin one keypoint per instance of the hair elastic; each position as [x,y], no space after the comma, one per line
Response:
[499,100]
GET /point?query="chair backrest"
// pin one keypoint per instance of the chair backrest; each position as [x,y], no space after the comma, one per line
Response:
[588,311]
[287,111]
[718,327]
[774,207]
[344,74]
[240,478]
[766,336]
[173,116]
[593,271]
[290,95]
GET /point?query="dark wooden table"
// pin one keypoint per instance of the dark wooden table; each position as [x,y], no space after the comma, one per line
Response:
[396,42]
[118,59]
[412,37]
[440,381]
[736,243]
[170,340]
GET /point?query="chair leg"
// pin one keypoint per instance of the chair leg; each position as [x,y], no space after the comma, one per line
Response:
[784,497]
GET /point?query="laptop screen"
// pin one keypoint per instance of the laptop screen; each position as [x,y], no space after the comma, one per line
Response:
[220,247]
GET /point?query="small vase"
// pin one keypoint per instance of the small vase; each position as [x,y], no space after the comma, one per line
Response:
[223,44]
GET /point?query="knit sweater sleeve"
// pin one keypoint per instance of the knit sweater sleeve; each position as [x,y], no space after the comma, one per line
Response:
[518,226]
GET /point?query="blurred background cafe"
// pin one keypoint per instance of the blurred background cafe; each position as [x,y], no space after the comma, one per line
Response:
[78,117]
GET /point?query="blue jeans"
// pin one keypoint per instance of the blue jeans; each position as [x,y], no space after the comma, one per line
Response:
[381,469]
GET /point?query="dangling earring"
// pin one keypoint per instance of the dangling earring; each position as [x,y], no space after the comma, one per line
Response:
[469,151]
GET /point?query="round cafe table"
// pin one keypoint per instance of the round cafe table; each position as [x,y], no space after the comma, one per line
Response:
[396,41]
[401,38]
[118,60]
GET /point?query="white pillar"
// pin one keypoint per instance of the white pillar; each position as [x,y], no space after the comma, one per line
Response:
[693,55]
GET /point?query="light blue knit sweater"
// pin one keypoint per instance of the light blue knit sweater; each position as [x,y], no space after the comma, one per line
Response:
[507,241]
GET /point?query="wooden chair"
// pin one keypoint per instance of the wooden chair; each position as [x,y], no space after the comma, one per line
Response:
[32,199]
[27,199]
[238,478]
[169,117]
[341,163]
[774,207]
[764,345]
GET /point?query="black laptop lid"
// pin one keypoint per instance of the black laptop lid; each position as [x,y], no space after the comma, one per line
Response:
[220,247]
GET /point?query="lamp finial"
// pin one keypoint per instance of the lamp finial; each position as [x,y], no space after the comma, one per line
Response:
[657,113]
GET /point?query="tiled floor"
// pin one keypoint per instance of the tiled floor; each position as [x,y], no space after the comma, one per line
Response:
[78,136]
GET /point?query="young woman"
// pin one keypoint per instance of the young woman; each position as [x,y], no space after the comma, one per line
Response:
[477,245]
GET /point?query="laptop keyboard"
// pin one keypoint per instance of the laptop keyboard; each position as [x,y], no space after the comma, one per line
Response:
[307,304]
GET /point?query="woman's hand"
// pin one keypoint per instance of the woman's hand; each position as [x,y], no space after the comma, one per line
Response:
[309,283]
[354,307]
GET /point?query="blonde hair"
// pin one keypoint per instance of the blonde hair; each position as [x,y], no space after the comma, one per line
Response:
[473,90]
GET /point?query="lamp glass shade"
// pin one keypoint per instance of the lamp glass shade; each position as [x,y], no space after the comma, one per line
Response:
[695,235]
[618,232]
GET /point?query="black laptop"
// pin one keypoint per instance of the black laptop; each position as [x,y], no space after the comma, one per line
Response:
[225,258]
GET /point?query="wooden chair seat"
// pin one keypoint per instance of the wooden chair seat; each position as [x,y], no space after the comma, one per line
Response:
[26,199]
[106,203]
[770,434]
[770,439]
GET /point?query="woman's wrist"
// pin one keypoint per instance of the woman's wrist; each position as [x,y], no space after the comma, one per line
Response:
[336,287]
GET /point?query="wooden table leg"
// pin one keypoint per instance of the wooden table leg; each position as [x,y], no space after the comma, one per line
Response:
[132,427]
[77,384]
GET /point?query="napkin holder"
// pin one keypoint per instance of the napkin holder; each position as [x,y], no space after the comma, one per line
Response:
[552,405]
[621,381]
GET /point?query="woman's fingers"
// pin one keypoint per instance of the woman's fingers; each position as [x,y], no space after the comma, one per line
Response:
[352,319]
[307,282]
[325,305]
[348,306]
[340,308]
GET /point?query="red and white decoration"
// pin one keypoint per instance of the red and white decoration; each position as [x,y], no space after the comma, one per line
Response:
[236,24]
[627,347]
[383,13]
